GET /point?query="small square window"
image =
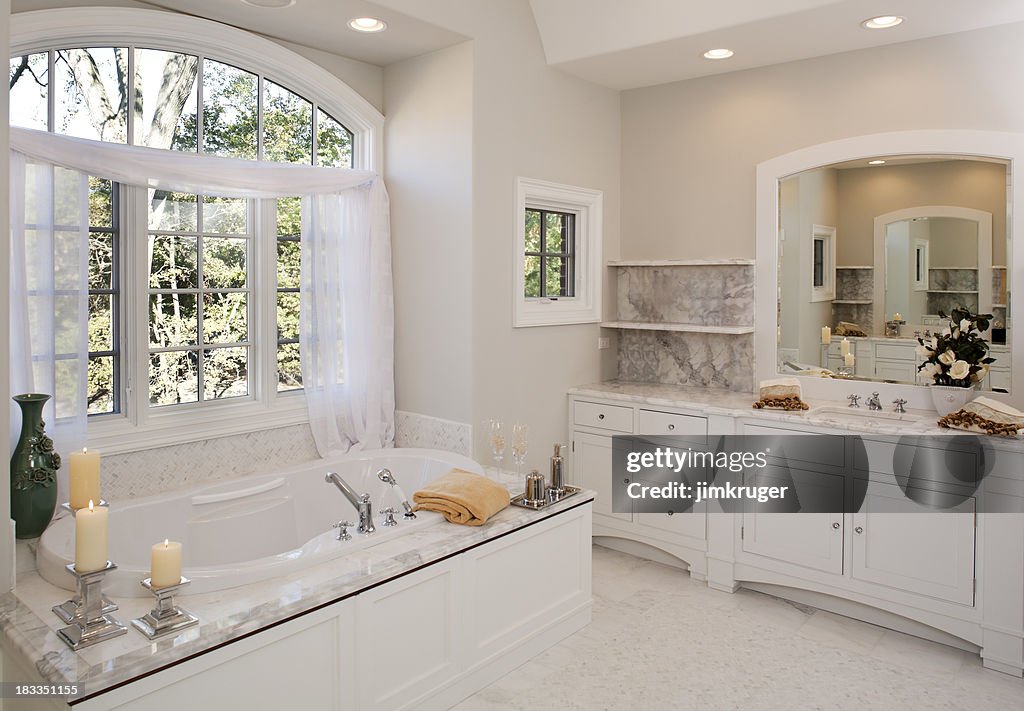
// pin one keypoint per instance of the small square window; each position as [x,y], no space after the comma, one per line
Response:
[558,254]
[823,263]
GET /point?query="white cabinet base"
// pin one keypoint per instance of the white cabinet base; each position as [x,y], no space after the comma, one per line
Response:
[424,640]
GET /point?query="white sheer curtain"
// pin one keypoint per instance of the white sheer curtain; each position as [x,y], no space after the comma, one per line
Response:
[346,321]
[346,289]
[49,291]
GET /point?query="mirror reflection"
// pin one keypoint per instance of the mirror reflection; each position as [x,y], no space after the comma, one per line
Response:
[874,250]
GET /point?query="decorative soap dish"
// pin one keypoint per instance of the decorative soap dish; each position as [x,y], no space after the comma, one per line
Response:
[551,498]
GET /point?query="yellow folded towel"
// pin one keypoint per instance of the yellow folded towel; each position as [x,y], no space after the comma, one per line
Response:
[463,497]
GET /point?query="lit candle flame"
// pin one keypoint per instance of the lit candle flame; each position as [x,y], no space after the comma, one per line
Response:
[167,542]
[90,504]
[85,450]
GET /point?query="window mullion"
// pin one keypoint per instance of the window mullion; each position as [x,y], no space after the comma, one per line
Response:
[136,281]
[265,322]
[200,137]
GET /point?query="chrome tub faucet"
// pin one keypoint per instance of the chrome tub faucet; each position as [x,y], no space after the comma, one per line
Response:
[361,503]
[874,403]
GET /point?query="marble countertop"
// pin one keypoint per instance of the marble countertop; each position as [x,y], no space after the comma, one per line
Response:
[29,625]
[727,403]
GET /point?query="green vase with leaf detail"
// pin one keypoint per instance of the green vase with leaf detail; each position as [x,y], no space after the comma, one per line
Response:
[34,467]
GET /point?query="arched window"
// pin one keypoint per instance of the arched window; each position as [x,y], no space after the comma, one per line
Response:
[194,304]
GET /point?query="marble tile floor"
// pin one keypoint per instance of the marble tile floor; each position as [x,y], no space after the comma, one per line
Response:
[660,640]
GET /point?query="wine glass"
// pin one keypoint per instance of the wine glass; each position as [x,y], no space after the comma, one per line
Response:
[519,445]
[497,441]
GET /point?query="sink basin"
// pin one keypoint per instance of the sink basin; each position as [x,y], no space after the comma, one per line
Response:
[870,419]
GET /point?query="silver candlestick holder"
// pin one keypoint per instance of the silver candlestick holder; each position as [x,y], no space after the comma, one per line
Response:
[67,506]
[70,610]
[89,623]
[165,617]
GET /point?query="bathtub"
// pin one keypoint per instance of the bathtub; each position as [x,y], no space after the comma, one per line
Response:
[254,528]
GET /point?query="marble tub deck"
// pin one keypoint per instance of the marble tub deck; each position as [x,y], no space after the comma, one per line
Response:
[660,640]
[28,625]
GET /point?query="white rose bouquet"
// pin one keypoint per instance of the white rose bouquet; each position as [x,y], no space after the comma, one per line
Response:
[959,355]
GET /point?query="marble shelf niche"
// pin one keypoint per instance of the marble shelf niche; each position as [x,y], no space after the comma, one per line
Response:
[854,300]
[685,322]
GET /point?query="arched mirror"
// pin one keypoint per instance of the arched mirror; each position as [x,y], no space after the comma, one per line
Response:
[871,241]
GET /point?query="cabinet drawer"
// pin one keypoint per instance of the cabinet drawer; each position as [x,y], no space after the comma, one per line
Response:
[895,351]
[605,417]
[652,422]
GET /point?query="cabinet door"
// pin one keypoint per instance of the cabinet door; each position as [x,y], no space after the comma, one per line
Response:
[412,636]
[813,540]
[689,524]
[899,370]
[592,469]
[928,553]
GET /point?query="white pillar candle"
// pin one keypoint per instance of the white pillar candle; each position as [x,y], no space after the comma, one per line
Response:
[848,359]
[826,335]
[844,347]
[91,538]
[84,475]
[165,564]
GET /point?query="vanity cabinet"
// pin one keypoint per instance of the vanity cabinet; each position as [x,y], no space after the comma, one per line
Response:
[593,424]
[958,572]
[919,552]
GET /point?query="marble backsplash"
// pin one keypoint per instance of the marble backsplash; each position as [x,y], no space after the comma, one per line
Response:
[162,469]
[677,358]
[953,279]
[705,295]
[721,295]
[855,283]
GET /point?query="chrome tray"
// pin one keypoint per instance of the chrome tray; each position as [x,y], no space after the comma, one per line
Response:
[522,502]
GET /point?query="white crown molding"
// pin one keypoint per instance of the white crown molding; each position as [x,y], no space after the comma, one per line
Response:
[156,29]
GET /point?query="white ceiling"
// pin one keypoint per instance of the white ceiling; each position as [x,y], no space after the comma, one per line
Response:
[644,42]
[619,44]
[323,24]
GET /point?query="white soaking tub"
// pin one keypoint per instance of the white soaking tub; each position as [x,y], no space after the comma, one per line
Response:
[253,528]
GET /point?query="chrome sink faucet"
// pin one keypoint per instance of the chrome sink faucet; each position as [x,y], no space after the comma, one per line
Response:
[361,503]
[899,403]
[874,403]
[854,400]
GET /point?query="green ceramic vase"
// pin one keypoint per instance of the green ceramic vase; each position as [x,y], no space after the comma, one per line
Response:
[34,467]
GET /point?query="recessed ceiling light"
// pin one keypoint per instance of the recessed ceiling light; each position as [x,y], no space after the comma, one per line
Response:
[882,22]
[274,4]
[876,162]
[718,53]
[367,24]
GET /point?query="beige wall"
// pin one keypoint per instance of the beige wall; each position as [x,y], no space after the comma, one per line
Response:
[865,193]
[954,242]
[690,149]
[5,235]
[428,149]
[807,200]
[533,121]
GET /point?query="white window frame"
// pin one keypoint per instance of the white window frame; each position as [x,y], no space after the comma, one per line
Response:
[588,207]
[139,426]
[827,291]
[921,249]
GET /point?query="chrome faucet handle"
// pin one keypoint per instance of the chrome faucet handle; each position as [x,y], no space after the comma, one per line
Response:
[389,517]
[899,403]
[854,400]
[342,526]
